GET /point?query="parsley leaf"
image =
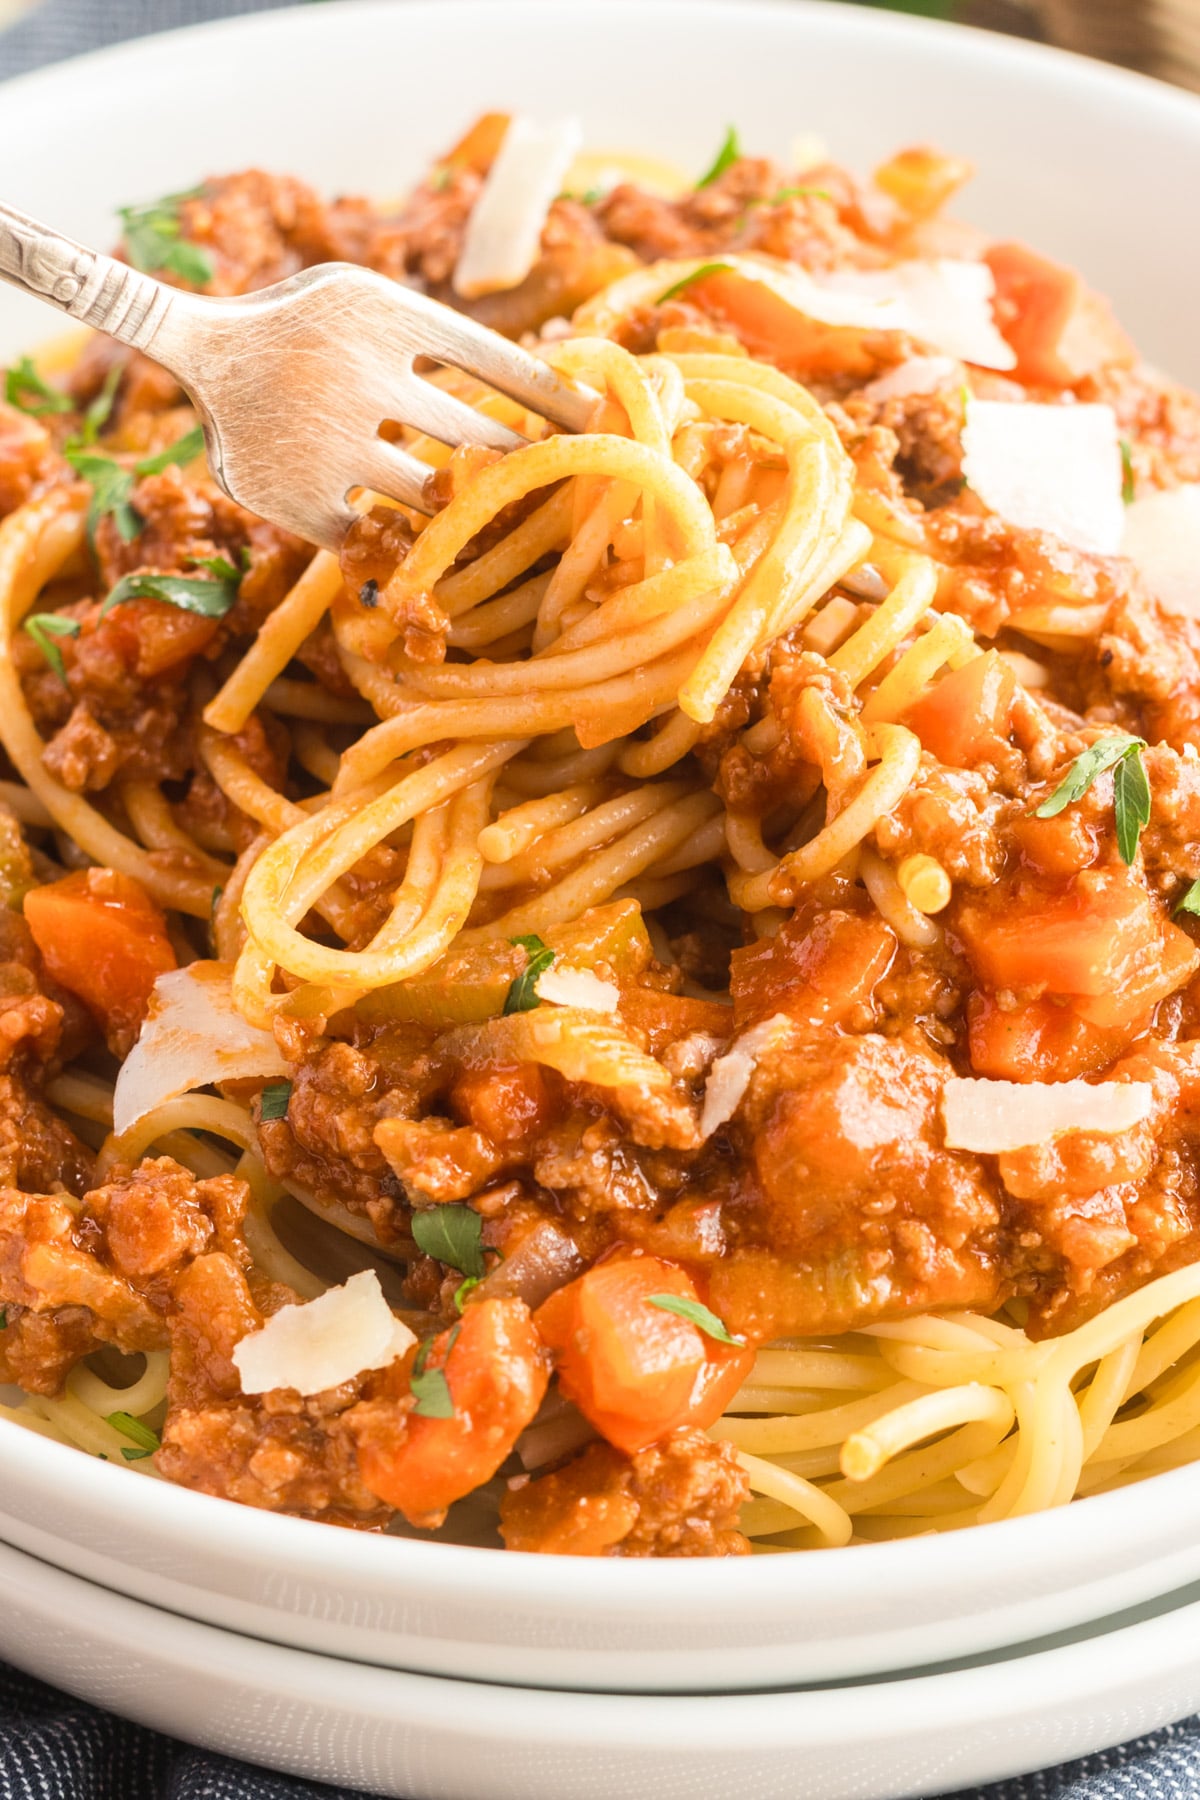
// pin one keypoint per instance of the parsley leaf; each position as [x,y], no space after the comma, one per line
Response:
[275,1098]
[1128,490]
[146,1440]
[432,1390]
[452,1234]
[43,628]
[25,389]
[185,450]
[154,240]
[522,993]
[799,193]
[685,281]
[211,599]
[726,156]
[1189,900]
[696,1315]
[460,1292]
[220,566]
[97,415]
[1131,789]
[111,487]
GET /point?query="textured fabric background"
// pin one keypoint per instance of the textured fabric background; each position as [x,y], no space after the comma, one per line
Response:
[56,1748]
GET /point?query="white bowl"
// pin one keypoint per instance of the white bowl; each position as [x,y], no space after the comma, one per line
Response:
[1084,161]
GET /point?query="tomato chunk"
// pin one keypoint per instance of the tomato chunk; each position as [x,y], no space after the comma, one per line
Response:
[102,937]
[150,636]
[1060,330]
[1082,937]
[814,969]
[633,1369]
[497,1372]
[964,719]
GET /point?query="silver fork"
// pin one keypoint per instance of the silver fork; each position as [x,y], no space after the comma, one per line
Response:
[292,383]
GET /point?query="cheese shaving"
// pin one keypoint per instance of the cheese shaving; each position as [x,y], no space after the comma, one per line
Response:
[320,1344]
[577,987]
[941,301]
[916,375]
[193,1036]
[991,1117]
[504,233]
[1048,468]
[1162,540]
[730,1074]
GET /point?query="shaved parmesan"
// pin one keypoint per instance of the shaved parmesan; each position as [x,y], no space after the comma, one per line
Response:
[326,1341]
[917,375]
[942,302]
[577,987]
[193,1036]
[730,1075]
[1048,468]
[1162,540]
[994,1116]
[504,233]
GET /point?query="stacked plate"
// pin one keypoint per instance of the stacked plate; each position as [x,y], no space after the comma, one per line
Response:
[426,1670]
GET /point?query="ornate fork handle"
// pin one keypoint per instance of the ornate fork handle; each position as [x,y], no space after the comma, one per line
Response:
[93,289]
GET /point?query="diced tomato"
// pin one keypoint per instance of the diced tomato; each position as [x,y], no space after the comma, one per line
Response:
[965,718]
[1063,845]
[1045,1040]
[150,636]
[635,1370]
[1087,936]
[508,1104]
[1172,962]
[497,1372]
[1060,330]
[102,937]
[813,969]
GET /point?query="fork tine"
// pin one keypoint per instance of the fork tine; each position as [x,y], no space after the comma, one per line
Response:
[453,338]
[443,416]
[391,470]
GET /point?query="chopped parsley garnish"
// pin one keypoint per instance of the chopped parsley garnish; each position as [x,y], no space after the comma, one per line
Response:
[463,1289]
[1189,900]
[112,485]
[146,1440]
[275,1098]
[432,1390]
[97,415]
[25,389]
[211,599]
[220,566]
[696,1315]
[1131,788]
[43,628]
[3,1318]
[451,1233]
[685,281]
[440,179]
[1128,489]
[725,158]
[522,993]
[368,594]
[154,240]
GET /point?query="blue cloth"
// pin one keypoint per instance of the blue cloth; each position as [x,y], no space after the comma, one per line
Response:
[55,1748]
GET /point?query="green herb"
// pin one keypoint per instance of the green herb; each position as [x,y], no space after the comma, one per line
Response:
[696,1315]
[726,156]
[432,1390]
[275,1098]
[184,451]
[220,566]
[453,1234]
[154,240]
[43,628]
[522,993]
[463,1289]
[800,193]
[146,1440]
[685,281]
[3,1318]
[440,179]
[97,415]
[1131,789]
[1128,488]
[211,599]
[25,389]
[112,485]
[1189,901]
[590,196]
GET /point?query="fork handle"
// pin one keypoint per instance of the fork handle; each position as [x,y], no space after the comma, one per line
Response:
[89,287]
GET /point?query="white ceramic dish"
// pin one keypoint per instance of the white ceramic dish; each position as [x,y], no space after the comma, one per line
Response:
[1085,161]
[424,1738]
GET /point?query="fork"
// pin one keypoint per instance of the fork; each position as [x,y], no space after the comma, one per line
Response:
[293,383]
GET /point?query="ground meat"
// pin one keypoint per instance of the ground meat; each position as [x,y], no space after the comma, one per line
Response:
[39,1350]
[680,1497]
[954,816]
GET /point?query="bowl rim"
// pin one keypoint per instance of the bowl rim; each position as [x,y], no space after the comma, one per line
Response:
[1063,1539]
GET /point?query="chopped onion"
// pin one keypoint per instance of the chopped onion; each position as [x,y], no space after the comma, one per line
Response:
[504,232]
[993,1116]
[1162,540]
[1048,468]
[942,301]
[916,375]
[577,987]
[730,1075]
[324,1342]
[193,1035]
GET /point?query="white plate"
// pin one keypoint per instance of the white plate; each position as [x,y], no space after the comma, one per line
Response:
[1085,161]
[423,1738]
